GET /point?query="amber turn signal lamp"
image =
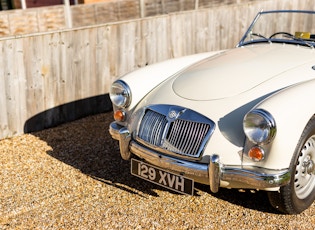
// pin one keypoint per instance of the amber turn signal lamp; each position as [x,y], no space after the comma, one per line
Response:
[119,115]
[256,153]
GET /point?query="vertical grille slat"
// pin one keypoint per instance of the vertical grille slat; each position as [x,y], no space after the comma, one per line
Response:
[185,133]
[152,127]
[179,136]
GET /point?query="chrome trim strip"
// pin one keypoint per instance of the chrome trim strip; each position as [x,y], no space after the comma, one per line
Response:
[250,177]
[255,177]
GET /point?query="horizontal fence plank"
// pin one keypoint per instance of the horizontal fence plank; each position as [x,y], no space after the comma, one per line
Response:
[54,77]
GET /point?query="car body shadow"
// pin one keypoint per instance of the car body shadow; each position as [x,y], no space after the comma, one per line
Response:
[78,134]
[86,145]
[250,199]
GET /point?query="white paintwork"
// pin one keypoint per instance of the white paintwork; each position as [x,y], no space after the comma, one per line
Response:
[239,71]
[143,80]
[224,87]
[292,109]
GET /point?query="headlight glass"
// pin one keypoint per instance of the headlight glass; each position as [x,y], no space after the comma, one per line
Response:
[259,126]
[120,94]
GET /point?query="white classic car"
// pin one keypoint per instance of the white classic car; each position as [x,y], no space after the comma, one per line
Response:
[241,118]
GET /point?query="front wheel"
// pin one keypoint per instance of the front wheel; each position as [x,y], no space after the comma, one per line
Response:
[299,194]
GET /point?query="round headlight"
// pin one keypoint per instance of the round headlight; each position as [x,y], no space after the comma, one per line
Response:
[120,94]
[259,126]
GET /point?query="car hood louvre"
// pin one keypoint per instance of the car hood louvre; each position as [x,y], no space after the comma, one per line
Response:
[219,72]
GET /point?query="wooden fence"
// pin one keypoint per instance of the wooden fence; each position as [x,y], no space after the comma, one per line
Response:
[53,77]
[42,19]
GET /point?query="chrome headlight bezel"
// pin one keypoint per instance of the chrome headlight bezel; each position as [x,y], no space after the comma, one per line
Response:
[120,94]
[259,126]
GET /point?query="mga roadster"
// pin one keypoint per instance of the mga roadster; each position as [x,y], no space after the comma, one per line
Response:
[242,118]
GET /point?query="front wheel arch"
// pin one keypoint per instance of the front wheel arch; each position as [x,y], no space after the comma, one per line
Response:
[299,194]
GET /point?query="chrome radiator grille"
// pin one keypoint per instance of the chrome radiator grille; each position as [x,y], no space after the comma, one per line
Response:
[179,136]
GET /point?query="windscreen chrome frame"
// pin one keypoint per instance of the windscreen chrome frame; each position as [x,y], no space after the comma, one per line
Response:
[241,42]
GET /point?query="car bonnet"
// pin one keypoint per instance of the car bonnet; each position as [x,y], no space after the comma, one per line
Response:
[238,70]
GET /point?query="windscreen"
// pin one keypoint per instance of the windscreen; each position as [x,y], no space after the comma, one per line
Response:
[280,26]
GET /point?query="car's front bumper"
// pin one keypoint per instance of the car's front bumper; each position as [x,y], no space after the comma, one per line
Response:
[215,173]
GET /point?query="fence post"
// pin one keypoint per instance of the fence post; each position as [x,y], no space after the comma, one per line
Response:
[142,9]
[23,4]
[196,4]
[68,14]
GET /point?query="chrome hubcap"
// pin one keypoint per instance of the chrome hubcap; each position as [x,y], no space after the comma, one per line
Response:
[304,180]
[309,166]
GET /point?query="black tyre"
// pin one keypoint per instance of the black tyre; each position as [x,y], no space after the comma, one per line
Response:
[299,194]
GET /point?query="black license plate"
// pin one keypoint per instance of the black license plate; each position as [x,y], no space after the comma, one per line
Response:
[161,177]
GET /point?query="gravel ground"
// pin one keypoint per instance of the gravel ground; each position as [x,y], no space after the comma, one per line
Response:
[72,177]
